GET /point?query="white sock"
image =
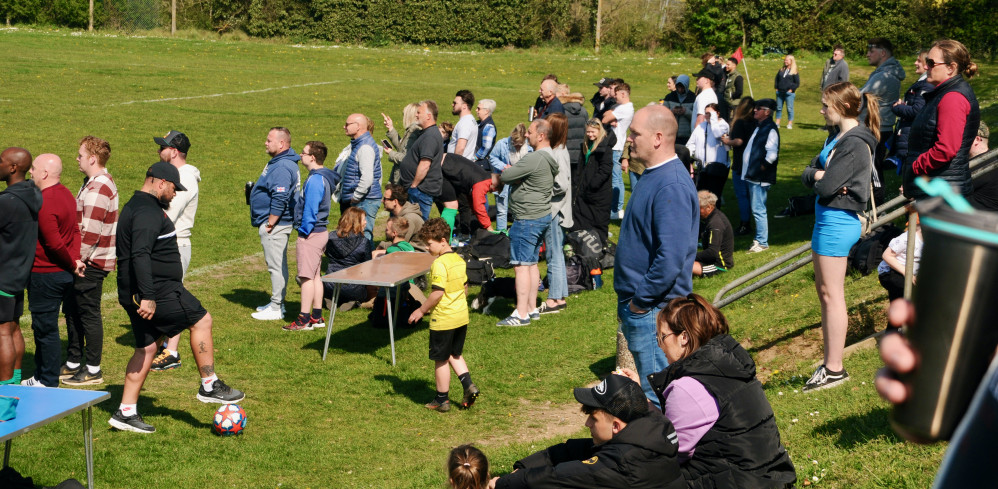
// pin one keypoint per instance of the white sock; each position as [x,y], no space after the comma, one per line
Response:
[92,369]
[128,409]
[207,381]
[73,365]
[172,352]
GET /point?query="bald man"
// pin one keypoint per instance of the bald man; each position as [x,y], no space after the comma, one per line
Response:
[20,204]
[658,238]
[551,104]
[361,185]
[57,259]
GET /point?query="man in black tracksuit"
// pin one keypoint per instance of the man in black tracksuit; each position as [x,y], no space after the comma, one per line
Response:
[717,238]
[630,447]
[151,291]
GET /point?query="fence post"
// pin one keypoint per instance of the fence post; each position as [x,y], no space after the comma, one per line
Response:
[173,17]
[90,24]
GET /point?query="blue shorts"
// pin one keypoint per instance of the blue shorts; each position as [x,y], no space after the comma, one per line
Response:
[525,238]
[835,231]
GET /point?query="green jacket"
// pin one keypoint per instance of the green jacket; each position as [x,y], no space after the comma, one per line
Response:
[531,183]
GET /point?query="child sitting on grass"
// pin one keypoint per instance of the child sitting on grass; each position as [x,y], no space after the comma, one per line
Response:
[468,468]
[892,267]
[449,321]
[395,230]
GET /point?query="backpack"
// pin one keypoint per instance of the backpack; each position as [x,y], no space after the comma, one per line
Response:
[479,271]
[867,253]
[586,243]
[579,277]
[495,246]
[607,258]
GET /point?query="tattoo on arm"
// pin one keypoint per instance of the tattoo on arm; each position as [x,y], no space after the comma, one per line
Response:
[207,370]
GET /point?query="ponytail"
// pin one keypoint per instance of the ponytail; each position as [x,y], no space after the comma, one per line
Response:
[468,468]
[872,114]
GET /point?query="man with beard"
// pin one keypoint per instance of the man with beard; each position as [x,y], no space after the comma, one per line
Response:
[151,291]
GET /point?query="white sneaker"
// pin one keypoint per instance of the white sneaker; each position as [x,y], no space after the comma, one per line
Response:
[269,314]
[31,382]
[267,306]
[757,248]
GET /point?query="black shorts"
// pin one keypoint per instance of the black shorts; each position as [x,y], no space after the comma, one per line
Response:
[447,193]
[11,308]
[178,312]
[447,343]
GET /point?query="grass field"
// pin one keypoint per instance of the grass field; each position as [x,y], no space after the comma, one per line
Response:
[356,421]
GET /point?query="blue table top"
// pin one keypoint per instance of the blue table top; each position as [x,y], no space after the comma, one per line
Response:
[39,406]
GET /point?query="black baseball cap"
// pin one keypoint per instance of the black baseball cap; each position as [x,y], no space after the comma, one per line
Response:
[605,82]
[617,395]
[766,103]
[165,171]
[175,139]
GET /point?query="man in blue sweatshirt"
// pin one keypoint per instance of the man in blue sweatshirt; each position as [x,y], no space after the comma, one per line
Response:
[272,205]
[311,220]
[658,239]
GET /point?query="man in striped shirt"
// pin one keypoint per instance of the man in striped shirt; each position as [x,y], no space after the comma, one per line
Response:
[97,213]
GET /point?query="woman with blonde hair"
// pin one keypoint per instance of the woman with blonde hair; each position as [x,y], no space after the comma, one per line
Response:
[399,145]
[942,133]
[841,176]
[345,248]
[591,206]
[787,82]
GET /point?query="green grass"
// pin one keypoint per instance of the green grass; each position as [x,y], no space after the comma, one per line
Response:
[354,420]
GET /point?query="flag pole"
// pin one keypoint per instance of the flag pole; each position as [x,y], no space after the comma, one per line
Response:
[749,80]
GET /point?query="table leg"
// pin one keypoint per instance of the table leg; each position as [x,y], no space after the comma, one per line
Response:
[332,316]
[88,444]
[391,318]
[6,453]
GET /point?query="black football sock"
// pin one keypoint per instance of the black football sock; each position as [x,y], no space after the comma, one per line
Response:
[465,380]
[441,397]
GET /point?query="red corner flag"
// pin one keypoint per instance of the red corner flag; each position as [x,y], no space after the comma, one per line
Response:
[738,54]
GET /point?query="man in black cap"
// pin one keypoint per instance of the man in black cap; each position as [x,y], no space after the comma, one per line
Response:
[631,447]
[762,154]
[173,149]
[603,98]
[151,291]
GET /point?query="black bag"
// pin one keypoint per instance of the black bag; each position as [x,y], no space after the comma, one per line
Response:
[494,246]
[607,258]
[379,313]
[800,205]
[579,275]
[867,253]
[479,271]
[585,243]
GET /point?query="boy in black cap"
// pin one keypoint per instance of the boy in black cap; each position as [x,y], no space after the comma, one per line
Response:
[631,447]
[151,292]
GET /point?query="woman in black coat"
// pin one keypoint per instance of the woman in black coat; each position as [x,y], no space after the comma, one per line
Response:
[345,248]
[907,109]
[593,192]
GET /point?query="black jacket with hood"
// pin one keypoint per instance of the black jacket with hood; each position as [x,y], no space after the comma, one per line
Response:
[742,450]
[19,207]
[849,166]
[642,455]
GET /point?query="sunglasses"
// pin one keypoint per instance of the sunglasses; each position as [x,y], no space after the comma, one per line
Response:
[931,63]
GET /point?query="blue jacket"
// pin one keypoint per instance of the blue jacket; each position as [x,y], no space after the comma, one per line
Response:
[658,238]
[914,100]
[312,208]
[499,157]
[276,191]
[351,173]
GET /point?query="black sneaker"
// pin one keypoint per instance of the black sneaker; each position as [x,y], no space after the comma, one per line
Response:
[824,379]
[470,394]
[220,393]
[84,377]
[436,405]
[165,361]
[130,423]
[65,372]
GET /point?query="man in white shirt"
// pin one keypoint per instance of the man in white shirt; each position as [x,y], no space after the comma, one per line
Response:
[465,136]
[173,149]
[705,84]
[620,119]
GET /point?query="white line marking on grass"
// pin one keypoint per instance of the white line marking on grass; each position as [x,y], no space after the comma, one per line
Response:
[213,95]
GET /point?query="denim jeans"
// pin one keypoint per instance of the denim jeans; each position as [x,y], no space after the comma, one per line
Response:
[742,195]
[782,97]
[502,208]
[554,241]
[46,292]
[84,324]
[424,201]
[640,331]
[275,254]
[617,181]
[525,239]
[757,196]
[370,207]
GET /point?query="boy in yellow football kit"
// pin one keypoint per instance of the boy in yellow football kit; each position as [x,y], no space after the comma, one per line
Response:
[449,320]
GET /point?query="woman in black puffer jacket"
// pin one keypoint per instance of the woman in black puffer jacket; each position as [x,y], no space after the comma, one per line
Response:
[593,192]
[347,247]
[907,109]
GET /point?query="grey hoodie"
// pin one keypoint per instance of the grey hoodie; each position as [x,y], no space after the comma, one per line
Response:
[885,83]
[531,183]
[849,165]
